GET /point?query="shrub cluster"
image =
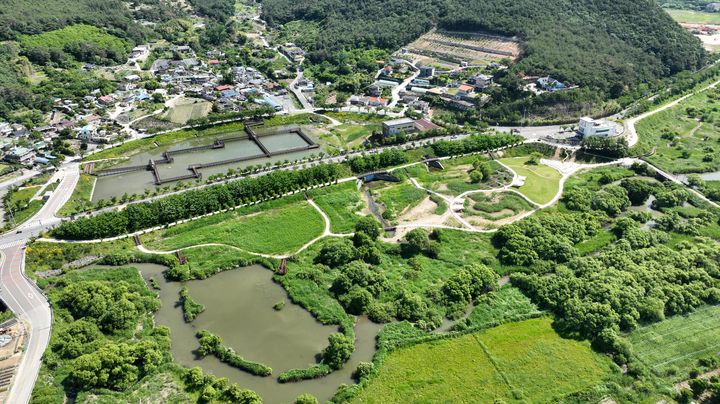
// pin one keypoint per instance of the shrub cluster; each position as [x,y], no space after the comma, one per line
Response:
[212,344]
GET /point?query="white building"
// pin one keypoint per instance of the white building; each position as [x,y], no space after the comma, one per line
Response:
[591,127]
[395,126]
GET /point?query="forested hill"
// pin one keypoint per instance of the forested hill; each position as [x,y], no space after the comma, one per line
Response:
[592,42]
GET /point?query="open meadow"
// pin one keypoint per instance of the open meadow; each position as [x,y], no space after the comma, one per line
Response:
[187,109]
[694,17]
[81,196]
[517,361]
[397,197]
[279,227]
[496,206]
[341,203]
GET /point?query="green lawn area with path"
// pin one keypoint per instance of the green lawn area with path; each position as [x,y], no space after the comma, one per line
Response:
[541,182]
[341,203]
[277,227]
[455,178]
[526,360]
[398,198]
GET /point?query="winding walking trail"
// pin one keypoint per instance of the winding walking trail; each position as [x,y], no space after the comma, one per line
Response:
[567,169]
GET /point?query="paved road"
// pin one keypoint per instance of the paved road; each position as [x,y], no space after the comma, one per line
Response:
[21,295]
[306,106]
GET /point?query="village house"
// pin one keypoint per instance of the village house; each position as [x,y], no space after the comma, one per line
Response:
[376,101]
[464,90]
[139,51]
[482,81]
[21,155]
[426,71]
[550,84]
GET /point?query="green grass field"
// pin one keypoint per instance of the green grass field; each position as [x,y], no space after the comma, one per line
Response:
[80,198]
[455,178]
[347,117]
[341,203]
[541,182]
[679,341]
[684,137]
[697,17]
[516,361]
[278,227]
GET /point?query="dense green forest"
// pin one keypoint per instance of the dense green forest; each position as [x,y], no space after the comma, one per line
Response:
[607,45]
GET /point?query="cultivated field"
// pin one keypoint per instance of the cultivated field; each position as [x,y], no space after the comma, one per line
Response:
[516,361]
[541,182]
[697,17]
[448,48]
[678,342]
[187,109]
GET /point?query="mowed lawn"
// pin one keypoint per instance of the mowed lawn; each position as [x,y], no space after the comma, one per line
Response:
[341,203]
[279,227]
[541,182]
[524,360]
[679,341]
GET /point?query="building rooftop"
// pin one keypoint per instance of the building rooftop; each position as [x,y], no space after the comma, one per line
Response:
[399,121]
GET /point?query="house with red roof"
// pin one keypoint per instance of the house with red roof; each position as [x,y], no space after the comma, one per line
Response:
[377,101]
[465,89]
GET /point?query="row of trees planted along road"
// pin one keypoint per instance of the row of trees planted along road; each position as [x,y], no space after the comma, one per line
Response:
[198,202]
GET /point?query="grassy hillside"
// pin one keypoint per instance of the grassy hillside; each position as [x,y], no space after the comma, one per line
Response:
[607,45]
[38,16]
[83,42]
